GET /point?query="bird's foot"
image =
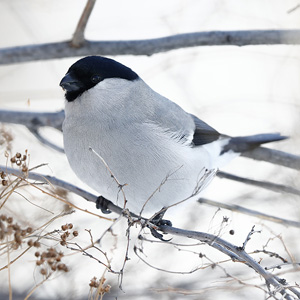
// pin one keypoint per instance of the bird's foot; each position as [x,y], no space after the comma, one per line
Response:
[102,203]
[159,221]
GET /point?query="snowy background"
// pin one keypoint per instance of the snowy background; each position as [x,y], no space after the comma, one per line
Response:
[237,90]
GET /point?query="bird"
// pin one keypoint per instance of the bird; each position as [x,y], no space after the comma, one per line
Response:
[134,146]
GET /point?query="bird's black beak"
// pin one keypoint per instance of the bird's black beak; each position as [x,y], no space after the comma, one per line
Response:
[70,84]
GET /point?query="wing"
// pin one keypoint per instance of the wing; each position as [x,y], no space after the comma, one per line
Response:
[172,119]
[203,134]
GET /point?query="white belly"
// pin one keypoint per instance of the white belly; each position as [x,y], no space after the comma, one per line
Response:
[154,175]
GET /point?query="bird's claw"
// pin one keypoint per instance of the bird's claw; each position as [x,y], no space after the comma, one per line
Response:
[102,203]
[159,221]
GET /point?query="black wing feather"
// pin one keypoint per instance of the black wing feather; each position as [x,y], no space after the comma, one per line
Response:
[204,134]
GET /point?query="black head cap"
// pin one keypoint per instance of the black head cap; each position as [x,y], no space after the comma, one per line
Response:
[90,70]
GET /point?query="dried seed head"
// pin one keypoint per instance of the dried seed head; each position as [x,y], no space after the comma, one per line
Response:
[18,155]
[37,244]
[15,246]
[39,262]
[13,160]
[37,254]
[53,267]
[70,226]
[63,236]
[30,243]
[9,220]
[50,261]
[75,233]
[63,243]
[29,230]
[43,272]
[60,266]
[64,227]
[18,238]
[16,227]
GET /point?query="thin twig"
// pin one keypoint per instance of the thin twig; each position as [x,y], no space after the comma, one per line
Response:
[149,46]
[279,188]
[250,212]
[224,247]
[78,37]
[252,231]
[120,186]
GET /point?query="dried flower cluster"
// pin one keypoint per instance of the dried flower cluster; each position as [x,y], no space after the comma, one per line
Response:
[67,233]
[5,138]
[20,160]
[4,180]
[10,229]
[50,260]
[99,284]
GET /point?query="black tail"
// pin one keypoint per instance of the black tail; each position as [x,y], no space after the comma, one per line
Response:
[245,143]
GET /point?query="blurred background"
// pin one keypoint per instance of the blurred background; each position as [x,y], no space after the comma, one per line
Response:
[237,90]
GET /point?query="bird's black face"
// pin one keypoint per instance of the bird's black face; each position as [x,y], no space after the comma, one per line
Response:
[89,71]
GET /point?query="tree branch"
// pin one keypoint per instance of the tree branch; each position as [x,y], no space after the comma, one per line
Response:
[148,46]
[278,188]
[33,119]
[275,157]
[250,212]
[237,254]
[78,37]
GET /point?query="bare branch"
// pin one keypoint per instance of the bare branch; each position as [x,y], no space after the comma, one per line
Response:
[44,141]
[60,183]
[279,188]
[90,197]
[250,212]
[149,46]
[275,157]
[33,119]
[78,37]
[238,252]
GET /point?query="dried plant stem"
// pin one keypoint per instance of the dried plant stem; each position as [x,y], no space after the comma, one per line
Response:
[37,286]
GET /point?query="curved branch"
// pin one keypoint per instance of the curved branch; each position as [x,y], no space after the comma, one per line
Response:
[116,209]
[44,141]
[149,46]
[237,254]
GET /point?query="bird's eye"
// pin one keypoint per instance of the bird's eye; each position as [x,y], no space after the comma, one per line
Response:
[95,78]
